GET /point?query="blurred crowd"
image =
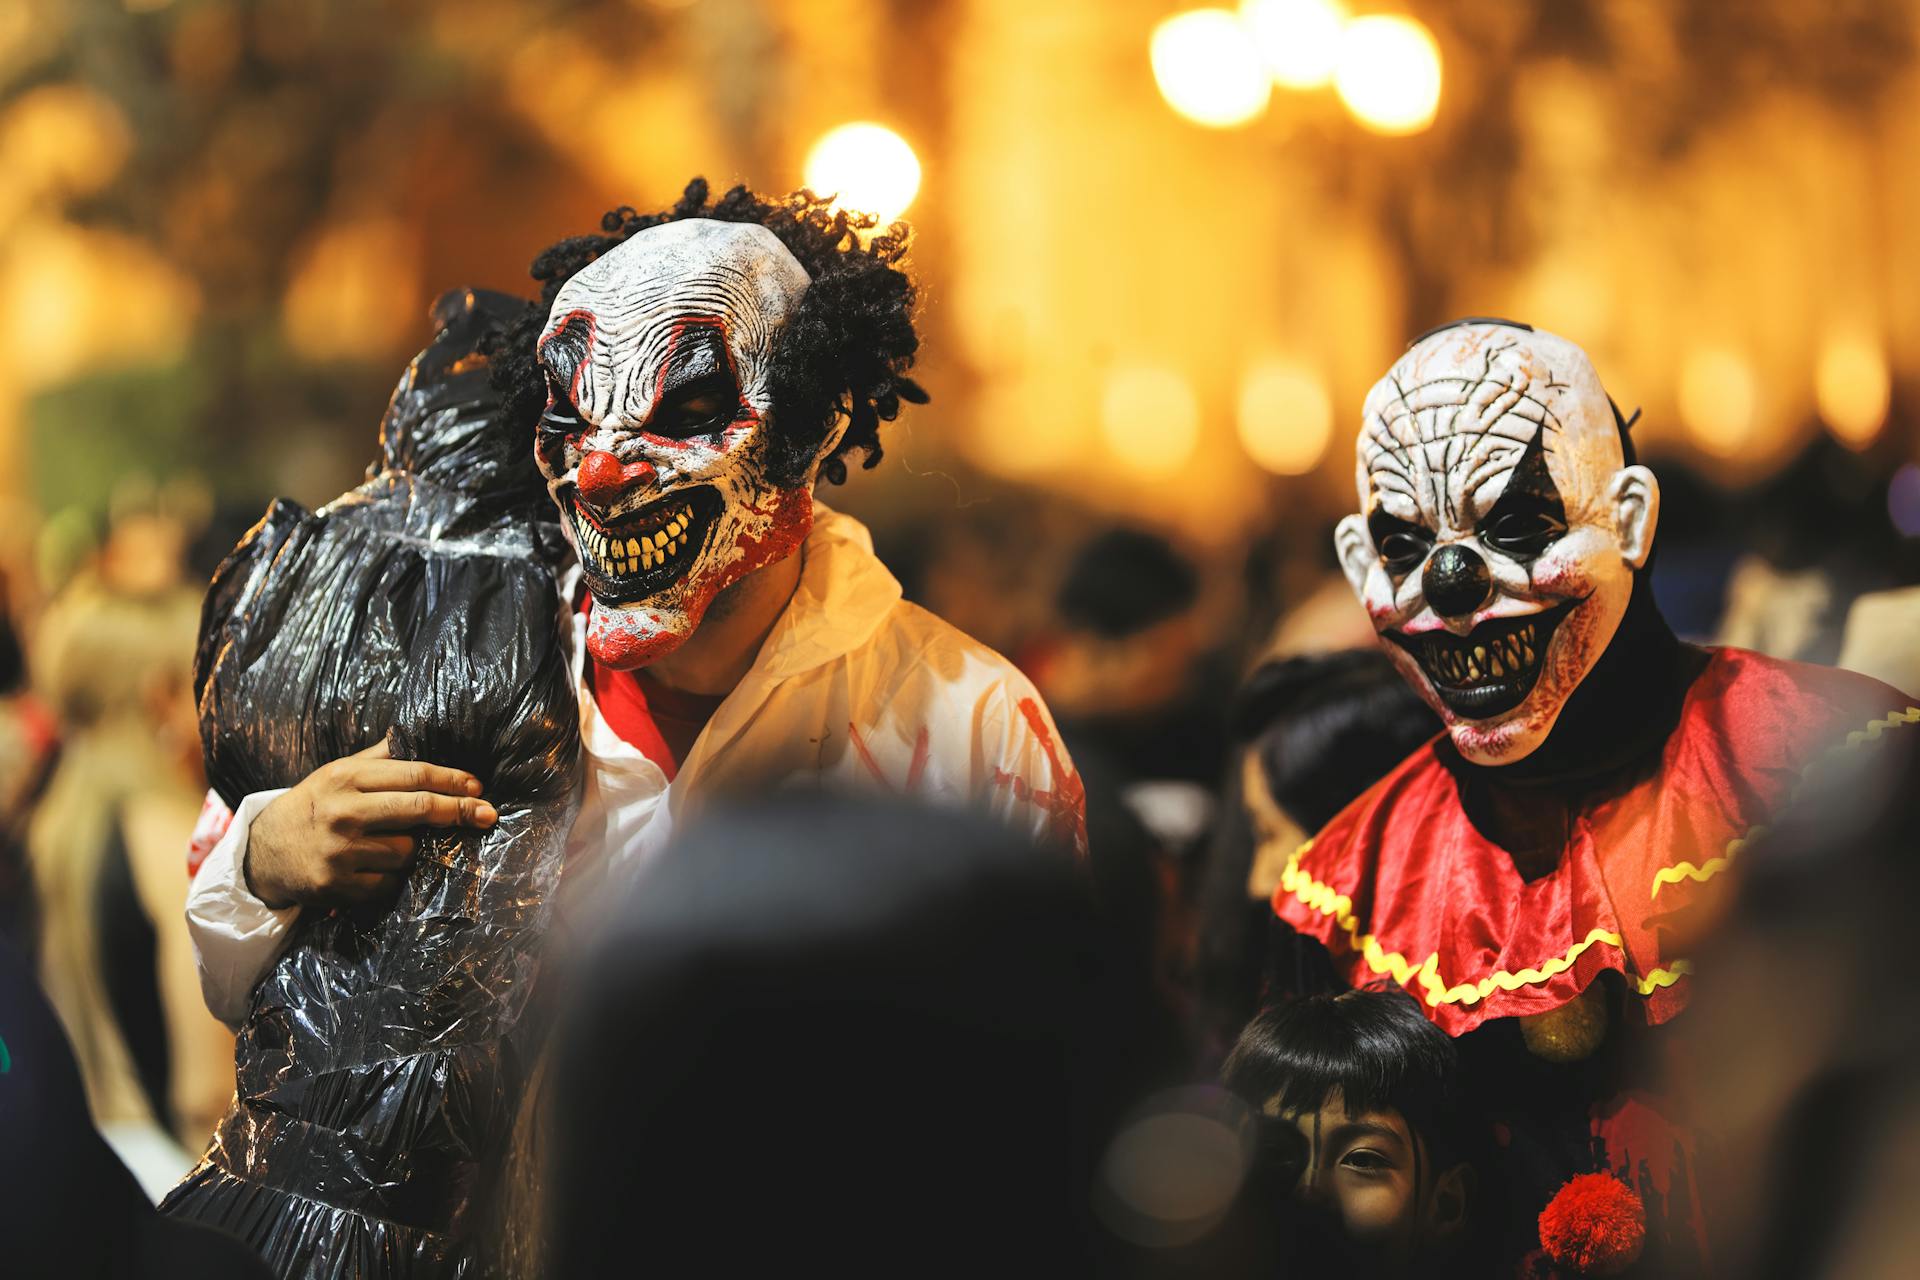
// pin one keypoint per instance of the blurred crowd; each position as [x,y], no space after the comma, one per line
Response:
[1218,707]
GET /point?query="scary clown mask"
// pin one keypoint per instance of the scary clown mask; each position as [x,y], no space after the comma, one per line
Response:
[657,442]
[1500,528]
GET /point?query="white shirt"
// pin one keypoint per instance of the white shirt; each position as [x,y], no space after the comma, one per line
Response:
[854,685]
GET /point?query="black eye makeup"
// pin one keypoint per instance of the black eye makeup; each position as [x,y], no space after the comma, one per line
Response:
[1523,527]
[1402,544]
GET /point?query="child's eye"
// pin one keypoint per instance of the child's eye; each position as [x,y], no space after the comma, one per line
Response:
[1366,1161]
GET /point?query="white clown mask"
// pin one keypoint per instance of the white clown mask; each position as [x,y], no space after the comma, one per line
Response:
[657,441]
[1500,528]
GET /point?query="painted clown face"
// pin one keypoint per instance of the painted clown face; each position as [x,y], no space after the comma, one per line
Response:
[1499,529]
[657,442]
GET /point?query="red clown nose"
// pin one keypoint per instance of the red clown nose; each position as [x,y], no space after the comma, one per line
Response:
[603,479]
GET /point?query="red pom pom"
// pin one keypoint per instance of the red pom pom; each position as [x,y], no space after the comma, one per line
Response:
[1595,1225]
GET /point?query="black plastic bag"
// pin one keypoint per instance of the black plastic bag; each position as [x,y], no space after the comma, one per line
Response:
[384,1056]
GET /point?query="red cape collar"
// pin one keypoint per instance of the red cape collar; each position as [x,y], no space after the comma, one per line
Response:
[1402,885]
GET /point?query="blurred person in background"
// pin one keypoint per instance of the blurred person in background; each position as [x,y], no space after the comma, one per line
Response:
[1816,537]
[28,747]
[113,661]
[1309,733]
[845,1033]
[68,1206]
[1128,668]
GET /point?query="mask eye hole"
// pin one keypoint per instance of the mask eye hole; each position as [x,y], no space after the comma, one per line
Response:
[1401,543]
[1523,532]
[560,409]
[701,407]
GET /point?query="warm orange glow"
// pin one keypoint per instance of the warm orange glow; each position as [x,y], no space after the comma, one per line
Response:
[1298,39]
[866,167]
[74,300]
[1208,70]
[1389,73]
[61,139]
[1852,387]
[1286,417]
[340,302]
[1150,418]
[1717,400]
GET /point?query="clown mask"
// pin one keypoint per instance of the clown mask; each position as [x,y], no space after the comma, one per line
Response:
[1500,528]
[657,442]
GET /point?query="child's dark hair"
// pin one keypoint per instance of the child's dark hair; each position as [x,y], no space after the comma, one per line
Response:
[1374,1047]
[845,350]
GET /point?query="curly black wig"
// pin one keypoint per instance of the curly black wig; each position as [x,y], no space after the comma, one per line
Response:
[845,350]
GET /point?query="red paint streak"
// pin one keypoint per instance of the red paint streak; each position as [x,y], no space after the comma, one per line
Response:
[918,765]
[790,519]
[866,756]
[680,329]
[212,824]
[1066,803]
[916,768]
[586,354]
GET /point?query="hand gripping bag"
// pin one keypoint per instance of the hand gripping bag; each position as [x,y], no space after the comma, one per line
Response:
[385,1054]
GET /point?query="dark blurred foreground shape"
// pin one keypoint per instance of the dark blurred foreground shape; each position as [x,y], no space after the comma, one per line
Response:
[68,1207]
[1802,1050]
[861,1037]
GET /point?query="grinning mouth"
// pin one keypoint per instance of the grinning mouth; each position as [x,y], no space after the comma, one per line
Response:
[645,550]
[1491,669]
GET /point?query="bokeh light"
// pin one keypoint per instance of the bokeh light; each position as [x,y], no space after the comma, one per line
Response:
[1150,418]
[1852,387]
[1286,417]
[1389,73]
[1208,70]
[1299,40]
[1717,400]
[866,167]
[339,300]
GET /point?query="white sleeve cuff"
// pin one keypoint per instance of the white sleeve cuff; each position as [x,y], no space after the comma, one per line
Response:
[236,937]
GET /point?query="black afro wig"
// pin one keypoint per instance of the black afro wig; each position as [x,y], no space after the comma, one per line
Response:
[845,350]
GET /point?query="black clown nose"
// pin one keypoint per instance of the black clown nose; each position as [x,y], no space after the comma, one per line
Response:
[1456,580]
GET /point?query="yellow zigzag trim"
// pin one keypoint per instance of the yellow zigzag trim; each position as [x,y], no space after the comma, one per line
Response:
[1327,901]
[1665,977]
[1680,871]
[1687,871]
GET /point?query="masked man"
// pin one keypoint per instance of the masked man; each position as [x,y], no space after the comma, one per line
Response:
[693,373]
[1536,874]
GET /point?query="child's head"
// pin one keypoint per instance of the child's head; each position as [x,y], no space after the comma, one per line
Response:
[1360,1123]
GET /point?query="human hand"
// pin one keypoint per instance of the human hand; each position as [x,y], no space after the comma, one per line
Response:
[339,836]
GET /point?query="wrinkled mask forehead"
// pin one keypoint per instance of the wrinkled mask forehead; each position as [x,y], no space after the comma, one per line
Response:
[697,294]
[1475,408]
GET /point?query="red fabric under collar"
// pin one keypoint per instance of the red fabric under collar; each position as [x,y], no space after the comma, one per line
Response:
[1401,883]
[659,722]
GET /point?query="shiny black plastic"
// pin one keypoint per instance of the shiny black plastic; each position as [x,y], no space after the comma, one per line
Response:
[384,1057]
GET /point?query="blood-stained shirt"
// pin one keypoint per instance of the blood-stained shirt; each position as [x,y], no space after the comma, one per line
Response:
[854,686]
